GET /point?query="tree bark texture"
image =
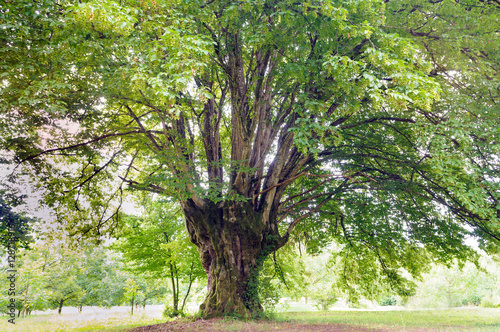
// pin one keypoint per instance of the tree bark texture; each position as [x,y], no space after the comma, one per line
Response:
[233,241]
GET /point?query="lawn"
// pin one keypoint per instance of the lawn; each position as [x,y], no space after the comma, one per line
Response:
[53,323]
[91,319]
[463,319]
[480,319]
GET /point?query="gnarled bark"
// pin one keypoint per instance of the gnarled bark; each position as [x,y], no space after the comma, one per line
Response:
[233,240]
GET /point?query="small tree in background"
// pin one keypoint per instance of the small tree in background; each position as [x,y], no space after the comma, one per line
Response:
[157,246]
[48,274]
[101,279]
[31,293]
[52,273]
[132,290]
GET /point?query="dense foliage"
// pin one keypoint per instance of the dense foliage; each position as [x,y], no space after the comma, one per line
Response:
[15,228]
[265,120]
[156,247]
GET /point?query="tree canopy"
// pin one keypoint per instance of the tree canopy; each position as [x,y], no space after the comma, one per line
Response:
[15,227]
[264,120]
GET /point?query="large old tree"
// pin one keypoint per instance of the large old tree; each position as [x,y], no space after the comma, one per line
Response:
[264,120]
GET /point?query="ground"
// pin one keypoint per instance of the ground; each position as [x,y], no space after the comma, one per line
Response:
[295,317]
[221,325]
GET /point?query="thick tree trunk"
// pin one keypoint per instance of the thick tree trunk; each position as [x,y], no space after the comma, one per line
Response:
[233,240]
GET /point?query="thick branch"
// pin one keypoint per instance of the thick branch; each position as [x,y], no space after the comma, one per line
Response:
[100,138]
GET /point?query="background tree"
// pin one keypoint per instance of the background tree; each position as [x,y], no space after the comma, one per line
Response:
[454,285]
[101,279]
[153,292]
[300,273]
[46,276]
[132,290]
[15,228]
[288,271]
[157,247]
[60,266]
[31,293]
[263,119]
[319,280]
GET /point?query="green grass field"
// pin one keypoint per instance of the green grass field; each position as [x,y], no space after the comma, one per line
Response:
[466,319]
[55,323]
[477,319]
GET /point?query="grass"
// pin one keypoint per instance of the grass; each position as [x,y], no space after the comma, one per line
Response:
[480,319]
[464,319]
[55,323]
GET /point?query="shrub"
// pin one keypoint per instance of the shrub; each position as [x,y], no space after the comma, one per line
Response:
[324,302]
[169,312]
[388,300]
[491,301]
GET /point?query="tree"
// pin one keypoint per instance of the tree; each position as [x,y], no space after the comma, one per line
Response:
[30,293]
[47,274]
[319,279]
[263,119]
[131,291]
[454,285]
[60,266]
[15,227]
[153,291]
[101,279]
[157,247]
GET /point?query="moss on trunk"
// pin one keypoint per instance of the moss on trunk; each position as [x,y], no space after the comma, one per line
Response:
[233,241]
